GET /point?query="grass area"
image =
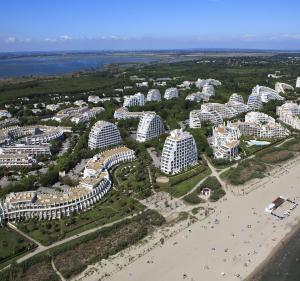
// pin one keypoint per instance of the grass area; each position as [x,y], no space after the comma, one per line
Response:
[274,155]
[185,186]
[245,171]
[133,178]
[116,206]
[12,244]
[73,257]
[217,192]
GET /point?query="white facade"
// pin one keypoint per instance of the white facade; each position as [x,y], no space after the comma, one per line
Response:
[197,97]
[134,100]
[4,113]
[142,84]
[236,98]
[12,160]
[171,93]
[94,99]
[150,126]
[289,114]
[80,103]
[154,95]
[123,113]
[222,109]
[52,107]
[201,82]
[199,116]
[259,117]
[298,82]
[225,142]
[266,94]
[43,149]
[103,134]
[254,102]
[179,152]
[208,90]
[93,186]
[282,87]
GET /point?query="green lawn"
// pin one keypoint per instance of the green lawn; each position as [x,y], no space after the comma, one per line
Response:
[12,244]
[115,207]
[184,187]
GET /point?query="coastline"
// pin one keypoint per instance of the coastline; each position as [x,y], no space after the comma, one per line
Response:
[239,246]
[274,254]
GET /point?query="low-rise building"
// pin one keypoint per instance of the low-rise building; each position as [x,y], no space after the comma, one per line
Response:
[150,126]
[12,160]
[94,99]
[197,97]
[123,113]
[142,84]
[266,94]
[80,103]
[4,113]
[52,107]
[179,152]
[104,134]
[298,82]
[199,116]
[282,87]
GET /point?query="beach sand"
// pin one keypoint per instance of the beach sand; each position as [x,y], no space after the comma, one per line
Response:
[231,249]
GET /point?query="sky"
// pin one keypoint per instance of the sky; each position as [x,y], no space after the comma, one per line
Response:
[50,25]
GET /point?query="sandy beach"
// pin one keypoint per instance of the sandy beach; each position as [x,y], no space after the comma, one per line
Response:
[228,245]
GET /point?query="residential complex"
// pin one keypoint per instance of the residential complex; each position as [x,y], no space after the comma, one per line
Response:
[95,183]
[154,95]
[254,102]
[77,114]
[266,94]
[289,114]
[103,134]
[225,142]
[8,122]
[171,93]
[4,113]
[150,126]
[179,152]
[204,115]
[123,113]
[134,100]
[197,97]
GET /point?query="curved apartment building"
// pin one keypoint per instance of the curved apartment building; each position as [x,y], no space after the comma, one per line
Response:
[96,182]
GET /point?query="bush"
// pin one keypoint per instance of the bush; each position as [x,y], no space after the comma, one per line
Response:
[192,198]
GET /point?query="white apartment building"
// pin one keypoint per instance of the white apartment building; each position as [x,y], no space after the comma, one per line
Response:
[134,100]
[80,103]
[236,98]
[222,109]
[201,82]
[266,94]
[289,114]
[93,186]
[171,93]
[4,113]
[197,97]
[225,142]
[52,107]
[150,126]
[87,115]
[199,116]
[254,102]
[154,95]
[142,84]
[20,148]
[237,107]
[94,99]
[208,90]
[298,82]
[77,114]
[282,87]
[12,160]
[103,134]
[179,152]
[123,113]
[8,122]
[259,117]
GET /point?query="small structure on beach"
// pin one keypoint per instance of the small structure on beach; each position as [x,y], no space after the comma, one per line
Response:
[281,207]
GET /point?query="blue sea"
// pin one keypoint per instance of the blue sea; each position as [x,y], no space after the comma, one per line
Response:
[52,64]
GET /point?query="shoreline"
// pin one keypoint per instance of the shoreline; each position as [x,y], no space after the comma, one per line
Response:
[238,247]
[260,269]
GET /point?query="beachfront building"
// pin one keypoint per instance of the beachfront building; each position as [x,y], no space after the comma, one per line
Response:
[254,102]
[197,97]
[150,126]
[266,94]
[259,117]
[298,82]
[282,87]
[103,134]
[134,100]
[289,114]
[225,142]
[179,152]
[92,187]
[171,93]
[154,95]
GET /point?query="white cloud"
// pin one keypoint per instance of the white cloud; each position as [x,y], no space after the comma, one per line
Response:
[65,37]
[10,40]
[292,36]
